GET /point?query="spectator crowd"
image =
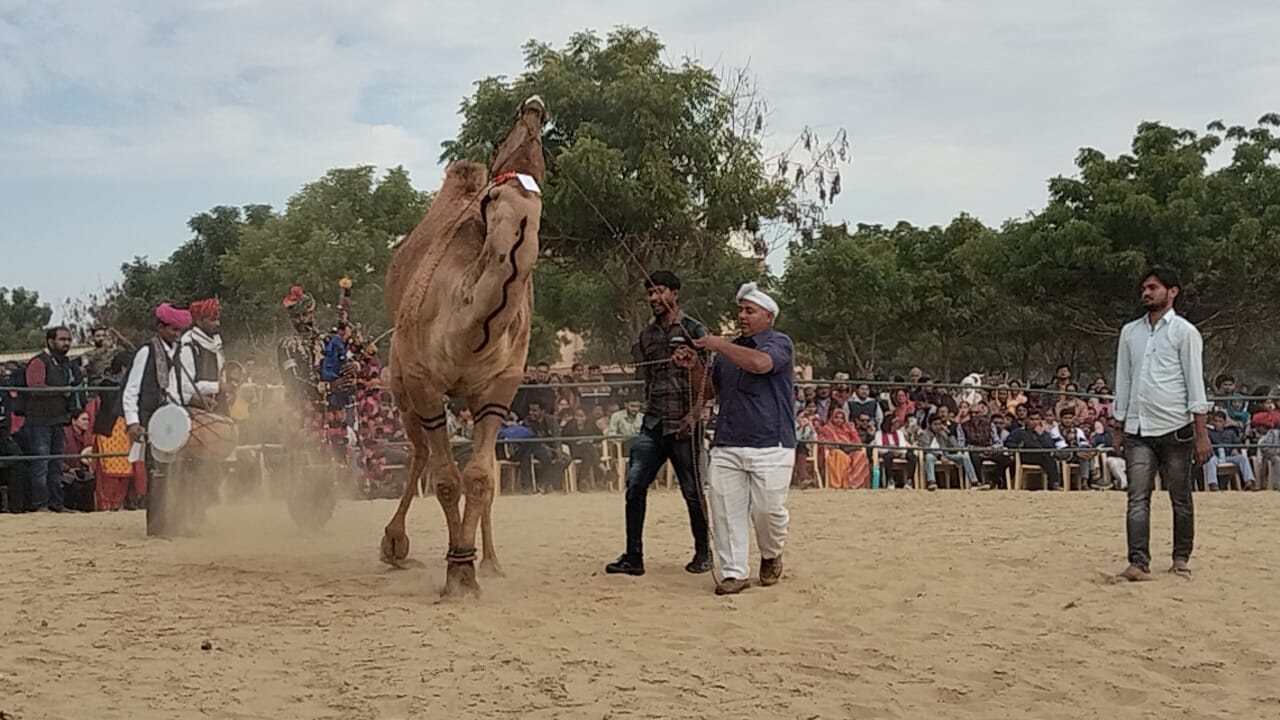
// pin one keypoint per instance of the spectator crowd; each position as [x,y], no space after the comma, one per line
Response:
[896,433]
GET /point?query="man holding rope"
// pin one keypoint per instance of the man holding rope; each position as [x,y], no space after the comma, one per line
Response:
[670,430]
[754,449]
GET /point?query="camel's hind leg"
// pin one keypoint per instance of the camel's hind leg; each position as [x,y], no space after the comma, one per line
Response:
[489,410]
[395,542]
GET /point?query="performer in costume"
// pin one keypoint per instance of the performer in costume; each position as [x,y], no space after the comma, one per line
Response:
[149,384]
[299,358]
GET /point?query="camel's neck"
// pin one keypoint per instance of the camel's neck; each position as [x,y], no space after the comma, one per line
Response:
[502,289]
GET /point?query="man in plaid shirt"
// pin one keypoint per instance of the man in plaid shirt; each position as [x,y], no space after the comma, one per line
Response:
[671,429]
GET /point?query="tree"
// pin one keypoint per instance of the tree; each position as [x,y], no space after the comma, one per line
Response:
[1082,255]
[23,319]
[347,223]
[649,166]
[192,272]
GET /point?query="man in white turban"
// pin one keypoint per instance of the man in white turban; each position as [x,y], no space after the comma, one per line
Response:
[753,452]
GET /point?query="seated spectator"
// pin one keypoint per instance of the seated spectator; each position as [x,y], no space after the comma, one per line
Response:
[1223,435]
[802,474]
[77,474]
[1113,457]
[863,403]
[1075,402]
[625,424]
[939,443]
[980,434]
[1034,434]
[587,452]
[892,444]
[1076,445]
[903,407]
[1266,419]
[551,459]
[1269,446]
[846,464]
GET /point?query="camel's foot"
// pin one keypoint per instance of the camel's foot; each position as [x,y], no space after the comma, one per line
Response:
[489,568]
[460,581]
[395,545]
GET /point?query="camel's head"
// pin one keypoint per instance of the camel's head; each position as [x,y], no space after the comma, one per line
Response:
[521,151]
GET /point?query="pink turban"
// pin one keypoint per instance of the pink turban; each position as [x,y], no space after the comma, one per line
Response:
[170,315]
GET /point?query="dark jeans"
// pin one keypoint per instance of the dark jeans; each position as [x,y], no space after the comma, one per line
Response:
[889,472]
[46,475]
[1003,462]
[549,465]
[1172,456]
[650,450]
[1049,467]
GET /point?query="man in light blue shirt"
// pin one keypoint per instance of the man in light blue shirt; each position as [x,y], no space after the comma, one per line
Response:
[1161,410]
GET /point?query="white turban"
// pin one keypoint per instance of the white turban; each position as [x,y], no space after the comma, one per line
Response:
[750,292]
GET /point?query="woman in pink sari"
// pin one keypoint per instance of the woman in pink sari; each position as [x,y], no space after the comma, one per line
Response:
[847,466]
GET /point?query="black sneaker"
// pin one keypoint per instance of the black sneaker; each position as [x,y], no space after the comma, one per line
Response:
[699,564]
[625,565]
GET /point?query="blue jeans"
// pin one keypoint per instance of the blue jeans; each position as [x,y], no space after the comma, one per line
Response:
[1172,456]
[650,450]
[46,475]
[960,459]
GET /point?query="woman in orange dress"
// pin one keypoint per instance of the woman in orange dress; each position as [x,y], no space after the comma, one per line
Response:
[847,467]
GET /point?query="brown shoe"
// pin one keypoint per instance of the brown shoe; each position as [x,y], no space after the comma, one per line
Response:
[1180,569]
[770,571]
[732,586]
[1134,573]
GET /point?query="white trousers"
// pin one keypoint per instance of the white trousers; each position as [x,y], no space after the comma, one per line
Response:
[748,486]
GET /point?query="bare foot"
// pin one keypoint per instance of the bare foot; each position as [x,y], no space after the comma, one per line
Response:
[395,546]
[1133,573]
[460,581]
[1180,569]
[489,568]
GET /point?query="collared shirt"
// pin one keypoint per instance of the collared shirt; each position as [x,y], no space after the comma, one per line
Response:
[668,391]
[1159,376]
[622,424]
[755,409]
[133,384]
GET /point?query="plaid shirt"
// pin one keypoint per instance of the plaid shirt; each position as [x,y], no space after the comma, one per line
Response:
[668,393]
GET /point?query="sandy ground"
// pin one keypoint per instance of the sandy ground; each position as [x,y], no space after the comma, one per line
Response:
[894,605]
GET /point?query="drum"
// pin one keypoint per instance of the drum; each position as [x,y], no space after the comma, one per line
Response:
[168,431]
[213,436]
[177,432]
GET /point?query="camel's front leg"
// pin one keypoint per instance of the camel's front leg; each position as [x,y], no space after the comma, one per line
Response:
[489,409]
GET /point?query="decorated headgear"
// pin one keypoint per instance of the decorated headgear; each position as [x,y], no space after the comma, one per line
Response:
[298,302]
[205,309]
[170,315]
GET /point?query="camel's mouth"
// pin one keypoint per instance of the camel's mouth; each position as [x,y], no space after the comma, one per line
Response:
[534,103]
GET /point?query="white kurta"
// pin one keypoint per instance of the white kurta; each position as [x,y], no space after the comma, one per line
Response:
[133,390]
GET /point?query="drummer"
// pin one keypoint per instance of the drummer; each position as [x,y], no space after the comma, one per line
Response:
[200,358]
[196,375]
[149,384]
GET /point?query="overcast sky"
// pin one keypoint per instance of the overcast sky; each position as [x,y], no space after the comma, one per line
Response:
[120,119]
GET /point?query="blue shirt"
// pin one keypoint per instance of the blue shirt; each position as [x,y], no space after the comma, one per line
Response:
[757,411]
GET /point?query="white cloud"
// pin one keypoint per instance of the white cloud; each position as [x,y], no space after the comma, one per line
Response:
[949,105]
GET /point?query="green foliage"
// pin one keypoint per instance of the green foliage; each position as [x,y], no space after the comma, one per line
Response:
[23,319]
[647,168]
[1058,286]
[347,223]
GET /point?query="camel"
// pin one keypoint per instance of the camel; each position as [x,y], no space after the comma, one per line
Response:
[460,290]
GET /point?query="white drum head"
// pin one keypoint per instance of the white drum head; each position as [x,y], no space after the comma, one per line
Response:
[168,429]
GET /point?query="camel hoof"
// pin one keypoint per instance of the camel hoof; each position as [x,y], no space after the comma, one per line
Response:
[395,547]
[460,582]
[489,568]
